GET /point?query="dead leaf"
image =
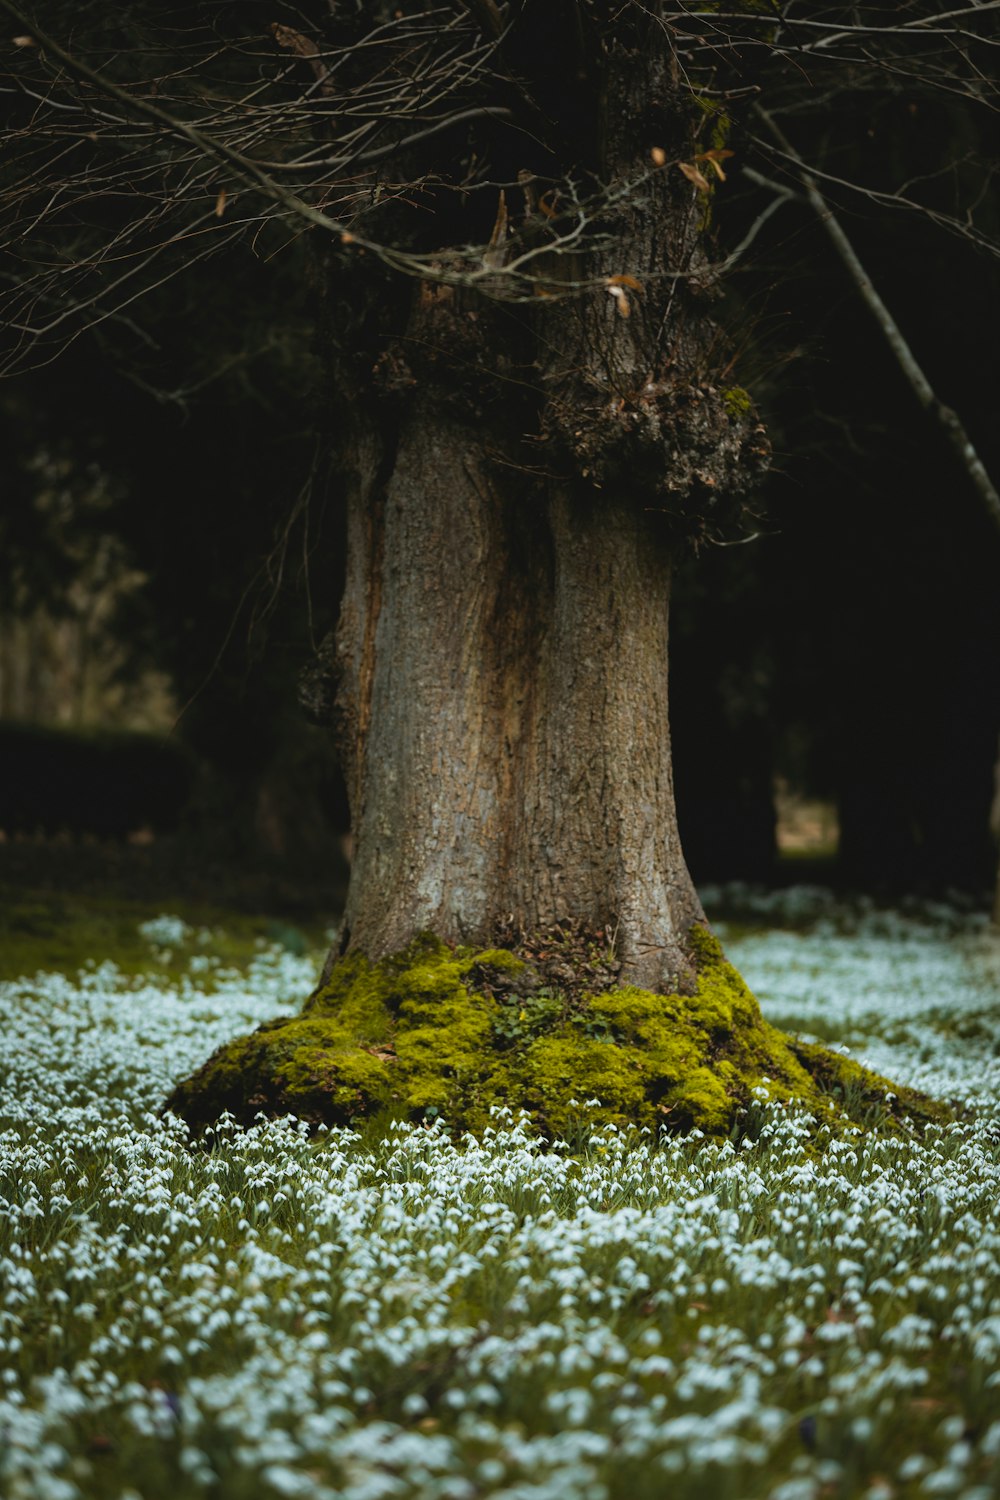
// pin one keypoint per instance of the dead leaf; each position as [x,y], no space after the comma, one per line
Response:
[714,157]
[621,301]
[384,1054]
[293,41]
[303,46]
[220,204]
[692,173]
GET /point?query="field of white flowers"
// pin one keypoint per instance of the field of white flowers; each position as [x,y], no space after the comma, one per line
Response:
[431,1319]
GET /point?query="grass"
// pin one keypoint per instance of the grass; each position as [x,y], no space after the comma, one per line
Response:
[284,1314]
[62,932]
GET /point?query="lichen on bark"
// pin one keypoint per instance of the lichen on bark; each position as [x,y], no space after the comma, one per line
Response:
[455,1032]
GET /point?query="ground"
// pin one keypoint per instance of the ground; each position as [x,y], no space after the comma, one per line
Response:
[419,1316]
[545,1027]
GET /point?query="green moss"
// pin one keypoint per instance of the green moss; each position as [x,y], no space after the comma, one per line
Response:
[737,401]
[357,997]
[433,1031]
[865,1096]
[444,1047]
[717,118]
[348,1081]
[705,1099]
[556,1077]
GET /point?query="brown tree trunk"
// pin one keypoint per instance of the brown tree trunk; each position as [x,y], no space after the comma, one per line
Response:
[504,709]
[502,649]
[520,481]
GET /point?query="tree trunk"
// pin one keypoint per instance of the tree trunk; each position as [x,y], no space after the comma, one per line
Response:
[502,715]
[504,709]
[502,651]
[521,476]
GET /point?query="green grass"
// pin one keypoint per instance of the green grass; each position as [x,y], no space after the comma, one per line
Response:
[42,929]
[278,1313]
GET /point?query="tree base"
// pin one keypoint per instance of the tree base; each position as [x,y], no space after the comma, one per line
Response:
[435,1031]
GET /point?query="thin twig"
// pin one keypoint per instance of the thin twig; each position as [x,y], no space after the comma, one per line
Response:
[948,419]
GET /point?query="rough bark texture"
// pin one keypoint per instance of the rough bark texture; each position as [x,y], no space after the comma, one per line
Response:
[504,710]
[502,646]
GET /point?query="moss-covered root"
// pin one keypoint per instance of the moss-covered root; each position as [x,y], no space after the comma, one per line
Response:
[452,1032]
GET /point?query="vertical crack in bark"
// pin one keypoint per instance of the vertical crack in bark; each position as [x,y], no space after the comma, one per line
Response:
[373,608]
[515,743]
[360,606]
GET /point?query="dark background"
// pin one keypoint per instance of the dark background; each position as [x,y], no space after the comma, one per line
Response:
[842,668]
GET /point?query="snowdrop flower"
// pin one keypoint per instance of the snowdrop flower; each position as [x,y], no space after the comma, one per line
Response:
[293,1313]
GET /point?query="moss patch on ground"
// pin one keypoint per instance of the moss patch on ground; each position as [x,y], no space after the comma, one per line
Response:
[436,1031]
[65,931]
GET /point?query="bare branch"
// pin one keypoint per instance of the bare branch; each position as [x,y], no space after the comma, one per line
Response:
[487,15]
[782,194]
[364,135]
[913,372]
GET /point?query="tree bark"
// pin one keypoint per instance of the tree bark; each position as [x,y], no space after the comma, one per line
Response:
[502,648]
[503,708]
